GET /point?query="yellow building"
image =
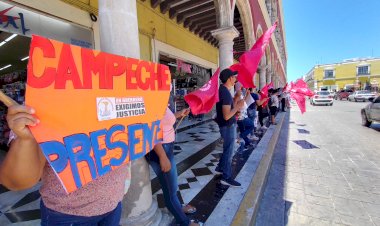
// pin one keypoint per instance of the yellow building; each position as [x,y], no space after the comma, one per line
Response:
[355,74]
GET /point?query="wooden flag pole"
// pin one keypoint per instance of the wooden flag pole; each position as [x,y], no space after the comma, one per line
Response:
[179,123]
[7,100]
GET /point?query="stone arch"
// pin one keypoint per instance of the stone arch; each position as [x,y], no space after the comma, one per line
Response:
[244,8]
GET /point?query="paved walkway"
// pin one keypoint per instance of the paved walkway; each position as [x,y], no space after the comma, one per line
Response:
[325,171]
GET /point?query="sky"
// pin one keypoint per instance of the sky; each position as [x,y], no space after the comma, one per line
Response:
[329,31]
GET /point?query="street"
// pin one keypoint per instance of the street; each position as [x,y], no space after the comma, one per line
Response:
[325,170]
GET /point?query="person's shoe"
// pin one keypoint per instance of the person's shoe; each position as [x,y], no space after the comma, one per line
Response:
[264,127]
[197,223]
[254,138]
[244,148]
[218,171]
[230,182]
[188,209]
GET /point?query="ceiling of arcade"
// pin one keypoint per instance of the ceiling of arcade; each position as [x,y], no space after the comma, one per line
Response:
[199,16]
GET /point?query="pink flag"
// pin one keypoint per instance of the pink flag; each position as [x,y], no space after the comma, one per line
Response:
[301,87]
[202,100]
[264,93]
[298,91]
[289,87]
[249,61]
[300,99]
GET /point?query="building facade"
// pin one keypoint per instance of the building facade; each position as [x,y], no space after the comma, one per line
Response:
[354,74]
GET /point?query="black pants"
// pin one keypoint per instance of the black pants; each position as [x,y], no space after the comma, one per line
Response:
[283,104]
[262,115]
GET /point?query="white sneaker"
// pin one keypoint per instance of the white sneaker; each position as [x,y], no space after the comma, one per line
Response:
[264,127]
[254,138]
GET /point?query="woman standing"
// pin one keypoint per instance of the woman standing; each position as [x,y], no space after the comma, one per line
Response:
[274,105]
[162,161]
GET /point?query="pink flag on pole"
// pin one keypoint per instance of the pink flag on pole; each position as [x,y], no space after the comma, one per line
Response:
[202,100]
[264,93]
[298,91]
[301,87]
[249,61]
[300,99]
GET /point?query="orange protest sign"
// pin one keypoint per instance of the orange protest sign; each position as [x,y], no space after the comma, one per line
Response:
[98,111]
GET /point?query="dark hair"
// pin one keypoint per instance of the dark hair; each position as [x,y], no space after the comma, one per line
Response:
[226,74]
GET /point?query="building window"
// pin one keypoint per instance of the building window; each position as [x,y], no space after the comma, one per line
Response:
[363,70]
[329,74]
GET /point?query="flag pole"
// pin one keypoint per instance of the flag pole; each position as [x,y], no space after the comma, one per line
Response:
[179,123]
[7,100]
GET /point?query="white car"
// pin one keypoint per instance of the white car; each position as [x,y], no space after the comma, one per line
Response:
[322,98]
[362,95]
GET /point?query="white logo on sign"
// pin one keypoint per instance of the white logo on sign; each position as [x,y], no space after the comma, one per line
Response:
[206,87]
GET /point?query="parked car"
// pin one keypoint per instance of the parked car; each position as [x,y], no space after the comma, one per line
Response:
[371,112]
[322,98]
[362,95]
[343,94]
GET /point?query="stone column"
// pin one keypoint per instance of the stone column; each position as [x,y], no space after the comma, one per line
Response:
[225,36]
[119,35]
[262,76]
[119,32]
[269,76]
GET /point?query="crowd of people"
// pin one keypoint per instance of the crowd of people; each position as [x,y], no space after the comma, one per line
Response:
[242,111]
[99,202]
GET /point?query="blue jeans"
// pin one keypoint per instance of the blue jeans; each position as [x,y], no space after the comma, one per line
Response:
[246,126]
[168,183]
[252,115]
[50,217]
[228,134]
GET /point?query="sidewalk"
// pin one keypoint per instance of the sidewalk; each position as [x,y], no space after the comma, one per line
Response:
[197,151]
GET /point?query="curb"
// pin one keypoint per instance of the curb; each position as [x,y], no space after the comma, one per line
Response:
[249,206]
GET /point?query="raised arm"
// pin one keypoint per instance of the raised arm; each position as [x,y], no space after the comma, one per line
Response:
[228,112]
[23,165]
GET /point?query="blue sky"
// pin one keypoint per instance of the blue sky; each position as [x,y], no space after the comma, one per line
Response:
[329,31]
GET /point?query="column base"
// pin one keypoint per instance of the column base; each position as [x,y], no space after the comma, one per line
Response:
[152,217]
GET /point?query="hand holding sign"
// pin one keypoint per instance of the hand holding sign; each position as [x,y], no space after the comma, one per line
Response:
[98,110]
[19,117]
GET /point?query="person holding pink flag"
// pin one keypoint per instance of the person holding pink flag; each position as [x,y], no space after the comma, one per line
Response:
[161,159]
[225,117]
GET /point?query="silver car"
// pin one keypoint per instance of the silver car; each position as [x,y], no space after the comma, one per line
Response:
[322,98]
[362,95]
[371,112]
